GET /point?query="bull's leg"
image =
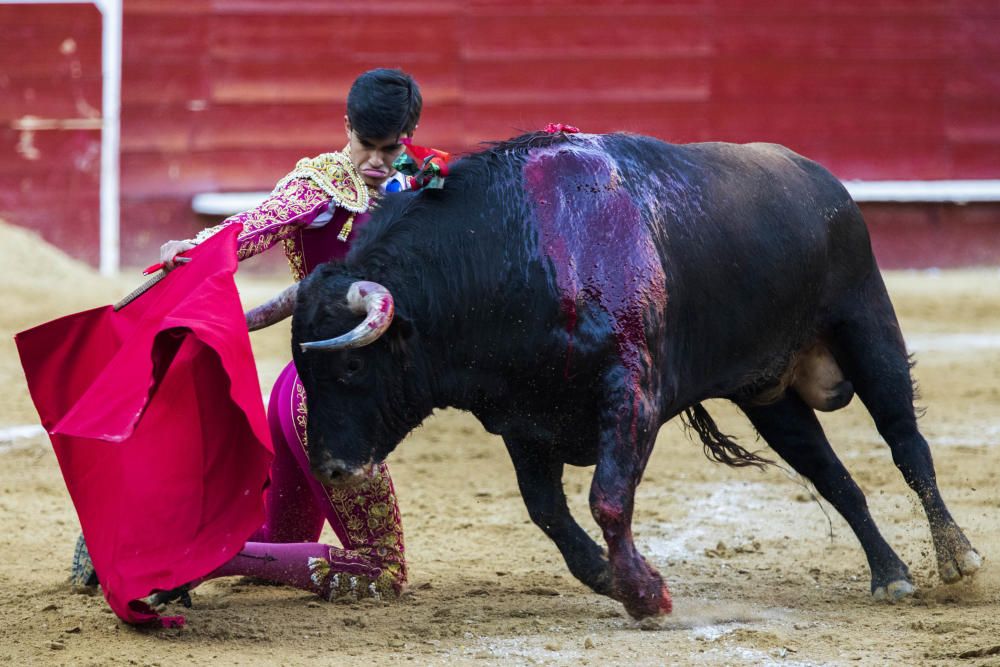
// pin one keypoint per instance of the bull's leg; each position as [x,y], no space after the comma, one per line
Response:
[869,347]
[627,434]
[790,427]
[539,476]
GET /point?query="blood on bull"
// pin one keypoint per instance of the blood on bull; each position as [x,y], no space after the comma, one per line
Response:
[575,292]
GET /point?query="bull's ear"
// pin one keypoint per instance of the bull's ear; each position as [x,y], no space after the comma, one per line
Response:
[401,326]
[398,336]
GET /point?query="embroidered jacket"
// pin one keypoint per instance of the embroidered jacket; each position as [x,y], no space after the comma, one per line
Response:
[296,201]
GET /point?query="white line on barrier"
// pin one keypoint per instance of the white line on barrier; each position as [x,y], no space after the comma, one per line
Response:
[958,342]
[9,436]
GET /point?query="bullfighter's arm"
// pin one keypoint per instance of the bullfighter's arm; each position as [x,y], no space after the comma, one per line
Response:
[292,205]
[275,310]
[296,201]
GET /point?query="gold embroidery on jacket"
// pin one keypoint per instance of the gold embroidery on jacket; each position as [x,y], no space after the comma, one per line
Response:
[313,182]
[334,174]
[296,261]
[270,222]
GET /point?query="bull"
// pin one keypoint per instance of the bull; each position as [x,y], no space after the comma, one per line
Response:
[575,292]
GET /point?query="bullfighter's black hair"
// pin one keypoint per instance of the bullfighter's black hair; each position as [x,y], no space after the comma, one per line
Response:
[384,103]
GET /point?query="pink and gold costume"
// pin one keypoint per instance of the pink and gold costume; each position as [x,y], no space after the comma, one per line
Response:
[317,187]
[313,213]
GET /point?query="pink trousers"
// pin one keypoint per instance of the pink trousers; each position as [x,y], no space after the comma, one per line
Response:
[364,516]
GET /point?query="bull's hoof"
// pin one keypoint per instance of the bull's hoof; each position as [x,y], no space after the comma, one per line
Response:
[963,565]
[666,604]
[655,604]
[956,558]
[894,591]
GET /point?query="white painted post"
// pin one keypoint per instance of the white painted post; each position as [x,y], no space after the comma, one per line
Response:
[111,71]
[111,75]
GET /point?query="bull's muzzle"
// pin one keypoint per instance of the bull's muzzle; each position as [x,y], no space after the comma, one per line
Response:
[363,297]
[329,471]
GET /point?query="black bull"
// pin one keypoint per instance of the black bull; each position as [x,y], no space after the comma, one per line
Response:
[576,292]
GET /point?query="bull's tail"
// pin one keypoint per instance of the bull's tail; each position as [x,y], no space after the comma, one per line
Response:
[717,445]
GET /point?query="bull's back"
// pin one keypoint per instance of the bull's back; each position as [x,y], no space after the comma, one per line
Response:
[757,244]
[595,236]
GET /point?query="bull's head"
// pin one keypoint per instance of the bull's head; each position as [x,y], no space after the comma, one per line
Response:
[366,387]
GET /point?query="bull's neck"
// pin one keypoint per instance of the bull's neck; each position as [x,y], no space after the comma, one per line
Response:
[461,322]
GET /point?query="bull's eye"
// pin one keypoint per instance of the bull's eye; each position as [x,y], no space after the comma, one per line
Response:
[354,364]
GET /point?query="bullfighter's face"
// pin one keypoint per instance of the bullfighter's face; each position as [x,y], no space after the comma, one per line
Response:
[372,157]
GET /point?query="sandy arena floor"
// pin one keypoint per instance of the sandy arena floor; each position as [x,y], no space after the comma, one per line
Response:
[761,573]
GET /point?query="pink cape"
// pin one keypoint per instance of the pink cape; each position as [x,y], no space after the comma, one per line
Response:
[156,417]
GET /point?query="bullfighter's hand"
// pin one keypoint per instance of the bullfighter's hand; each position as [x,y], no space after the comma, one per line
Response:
[169,252]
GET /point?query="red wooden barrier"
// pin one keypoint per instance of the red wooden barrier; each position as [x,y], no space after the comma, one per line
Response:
[226,95]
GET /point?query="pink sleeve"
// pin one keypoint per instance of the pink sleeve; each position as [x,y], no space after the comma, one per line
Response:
[290,207]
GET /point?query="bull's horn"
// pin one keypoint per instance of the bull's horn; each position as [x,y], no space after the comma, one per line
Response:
[362,297]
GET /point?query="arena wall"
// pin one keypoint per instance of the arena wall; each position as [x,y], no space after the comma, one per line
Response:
[227,95]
